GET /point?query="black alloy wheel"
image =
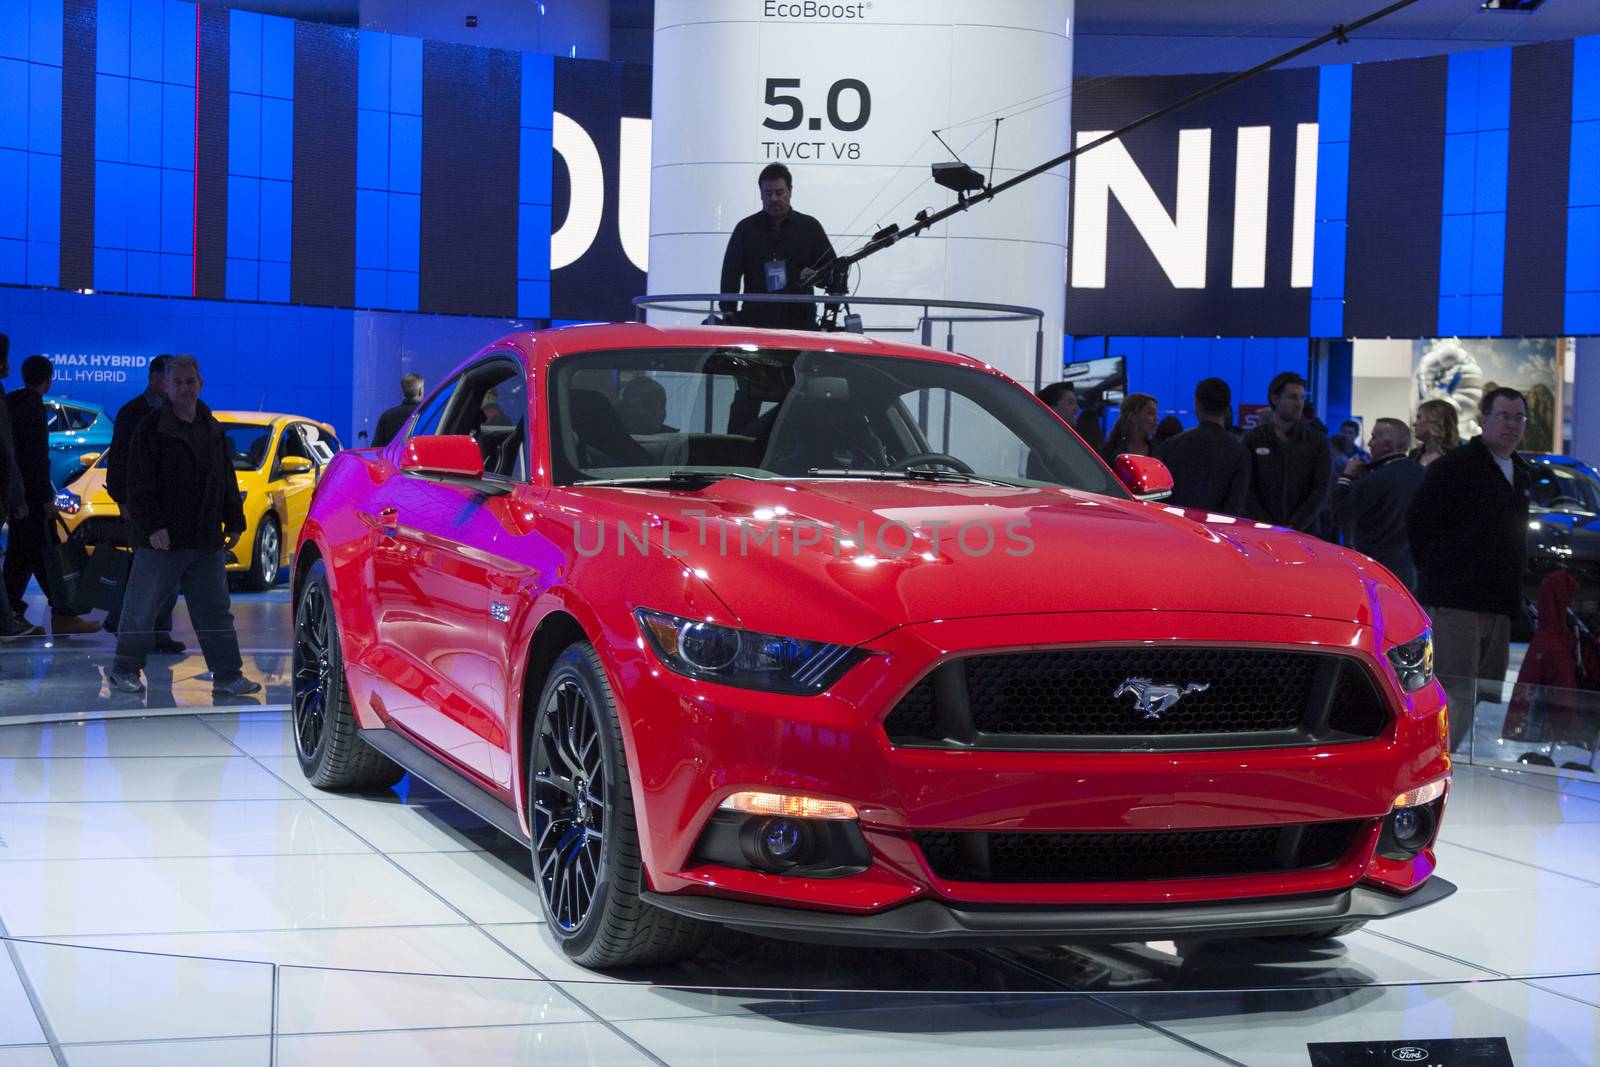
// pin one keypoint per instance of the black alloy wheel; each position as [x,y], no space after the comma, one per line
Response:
[569,805]
[327,740]
[586,854]
[313,668]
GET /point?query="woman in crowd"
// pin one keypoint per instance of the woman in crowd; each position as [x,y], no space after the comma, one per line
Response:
[1435,430]
[1136,423]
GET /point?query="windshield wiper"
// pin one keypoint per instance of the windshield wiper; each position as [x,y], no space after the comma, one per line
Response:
[915,474]
[674,479]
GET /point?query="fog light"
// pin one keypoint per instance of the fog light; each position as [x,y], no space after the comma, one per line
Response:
[776,844]
[783,840]
[1406,824]
[1413,821]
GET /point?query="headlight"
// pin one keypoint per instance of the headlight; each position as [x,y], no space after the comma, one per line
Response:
[1413,662]
[68,502]
[749,660]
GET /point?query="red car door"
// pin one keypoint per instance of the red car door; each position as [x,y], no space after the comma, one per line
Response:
[450,580]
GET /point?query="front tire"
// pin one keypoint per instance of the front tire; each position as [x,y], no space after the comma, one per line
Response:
[331,752]
[586,856]
[266,554]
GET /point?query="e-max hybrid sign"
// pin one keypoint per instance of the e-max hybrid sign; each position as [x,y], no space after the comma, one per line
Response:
[844,95]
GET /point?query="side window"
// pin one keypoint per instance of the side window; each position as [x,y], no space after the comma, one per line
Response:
[432,414]
[492,408]
[55,418]
[292,444]
[80,418]
[319,444]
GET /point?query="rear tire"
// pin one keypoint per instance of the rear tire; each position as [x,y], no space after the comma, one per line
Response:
[331,752]
[586,857]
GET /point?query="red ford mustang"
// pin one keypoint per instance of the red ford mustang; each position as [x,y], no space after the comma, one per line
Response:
[840,640]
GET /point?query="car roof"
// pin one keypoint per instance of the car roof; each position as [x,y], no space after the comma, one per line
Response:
[74,402]
[1556,460]
[266,418]
[597,337]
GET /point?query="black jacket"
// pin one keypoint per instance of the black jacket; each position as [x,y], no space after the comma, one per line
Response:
[1469,532]
[11,497]
[799,241]
[1210,469]
[390,421]
[30,434]
[169,489]
[1288,479]
[129,416]
[1374,507]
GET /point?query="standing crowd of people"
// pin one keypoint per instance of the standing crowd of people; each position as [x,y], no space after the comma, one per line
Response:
[1447,518]
[170,469]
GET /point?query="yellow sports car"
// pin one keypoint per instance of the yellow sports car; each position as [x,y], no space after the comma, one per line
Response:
[278,460]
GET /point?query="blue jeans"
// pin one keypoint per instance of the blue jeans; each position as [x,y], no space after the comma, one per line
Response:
[202,577]
[163,617]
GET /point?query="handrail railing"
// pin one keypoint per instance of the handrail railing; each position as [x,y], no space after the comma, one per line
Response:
[709,304]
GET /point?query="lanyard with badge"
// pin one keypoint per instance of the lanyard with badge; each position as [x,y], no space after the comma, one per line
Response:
[777,268]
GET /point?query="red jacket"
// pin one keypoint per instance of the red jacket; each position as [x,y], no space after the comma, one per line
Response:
[1544,706]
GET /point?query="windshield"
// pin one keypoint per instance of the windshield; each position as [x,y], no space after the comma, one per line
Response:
[248,445]
[784,413]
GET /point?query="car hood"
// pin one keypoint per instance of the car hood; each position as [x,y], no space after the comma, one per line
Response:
[848,560]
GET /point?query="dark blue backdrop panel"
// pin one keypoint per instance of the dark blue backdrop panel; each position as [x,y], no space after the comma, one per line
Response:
[471,103]
[1397,122]
[1536,217]
[322,259]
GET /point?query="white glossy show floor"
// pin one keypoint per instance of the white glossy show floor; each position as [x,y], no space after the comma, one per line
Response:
[173,893]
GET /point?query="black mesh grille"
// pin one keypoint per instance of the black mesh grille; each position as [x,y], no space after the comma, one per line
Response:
[1228,696]
[1357,708]
[1133,857]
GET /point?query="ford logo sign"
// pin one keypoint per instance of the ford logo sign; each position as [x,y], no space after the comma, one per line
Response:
[1410,1054]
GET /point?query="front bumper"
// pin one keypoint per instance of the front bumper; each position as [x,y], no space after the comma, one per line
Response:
[691,744]
[931,924]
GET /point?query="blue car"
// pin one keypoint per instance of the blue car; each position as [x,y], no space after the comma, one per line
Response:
[76,427]
[1564,528]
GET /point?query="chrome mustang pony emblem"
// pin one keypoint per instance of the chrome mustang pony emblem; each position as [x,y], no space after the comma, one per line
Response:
[1154,699]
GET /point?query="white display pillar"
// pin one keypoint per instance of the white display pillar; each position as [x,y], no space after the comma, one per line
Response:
[846,94]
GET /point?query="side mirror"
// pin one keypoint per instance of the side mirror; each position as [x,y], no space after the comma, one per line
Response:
[455,455]
[1146,478]
[295,465]
[88,459]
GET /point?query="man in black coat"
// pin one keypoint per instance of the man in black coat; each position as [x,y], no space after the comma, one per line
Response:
[32,535]
[128,418]
[12,504]
[390,421]
[1468,526]
[1289,463]
[776,250]
[186,514]
[1210,467]
[1370,500]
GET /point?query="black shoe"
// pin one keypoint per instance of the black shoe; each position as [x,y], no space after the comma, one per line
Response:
[235,687]
[168,646]
[124,683]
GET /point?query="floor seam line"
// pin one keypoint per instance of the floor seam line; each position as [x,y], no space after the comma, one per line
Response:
[40,1016]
